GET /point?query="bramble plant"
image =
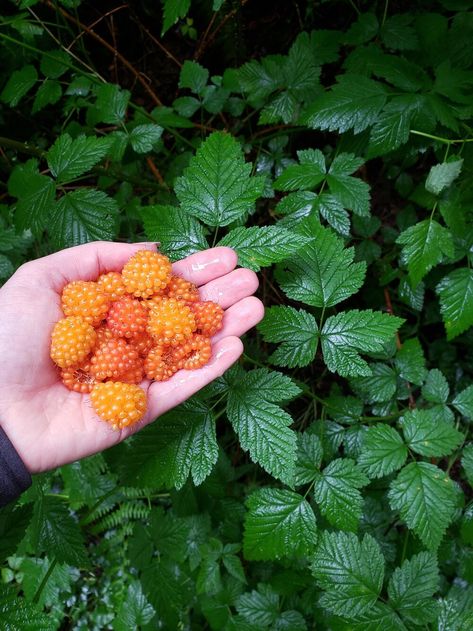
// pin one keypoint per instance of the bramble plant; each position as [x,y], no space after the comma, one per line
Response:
[325,481]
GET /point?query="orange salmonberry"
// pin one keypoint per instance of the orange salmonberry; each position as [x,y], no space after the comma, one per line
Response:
[78,378]
[112,285]
[72,340]
[85,299]
[208,317]
[127,317]
[182,289]
[119,404]
[114,358]
[146,273]
[171,322]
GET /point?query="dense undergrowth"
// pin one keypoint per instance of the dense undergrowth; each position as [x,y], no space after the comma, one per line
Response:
[324,481]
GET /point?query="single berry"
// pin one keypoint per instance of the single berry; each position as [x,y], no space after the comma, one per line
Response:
[120,404]
[72,340]
[85,299]
[146,273]
[112,285]
[198,352]
[127,317]
[182,289]
[208,317]
[114,358]
[134,375]
[78,378]
[171,322]
[160,363]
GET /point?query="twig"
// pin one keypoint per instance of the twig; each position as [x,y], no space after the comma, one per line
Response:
[202,43]
[102,17]
[219,27]
[156,41]
[155,171]
[110,48]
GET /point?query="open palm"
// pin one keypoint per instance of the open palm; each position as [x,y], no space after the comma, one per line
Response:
[50,425]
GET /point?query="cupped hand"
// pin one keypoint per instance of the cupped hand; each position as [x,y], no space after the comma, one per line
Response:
[48,424]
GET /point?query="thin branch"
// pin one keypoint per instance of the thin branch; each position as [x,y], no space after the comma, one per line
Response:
[110,48]
[102,17]
[218,28]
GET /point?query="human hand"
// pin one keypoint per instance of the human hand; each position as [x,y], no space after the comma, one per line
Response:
[48,424]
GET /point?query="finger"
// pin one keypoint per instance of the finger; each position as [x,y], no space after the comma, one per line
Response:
[202,267]
[229,289]
[83,262]
[241,317]
[167,394]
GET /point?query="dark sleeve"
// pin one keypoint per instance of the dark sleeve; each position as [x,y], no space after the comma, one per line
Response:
[14,476]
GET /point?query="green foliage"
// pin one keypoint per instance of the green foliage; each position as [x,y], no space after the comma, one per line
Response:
[325,480]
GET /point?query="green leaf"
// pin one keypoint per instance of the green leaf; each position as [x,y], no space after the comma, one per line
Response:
[48,93]
[349,333]
[412,586]
[336,491]
[350,571]
[259,247]
[193,76]
[59,580]
[435,388]
[427,435]
[35,194]
[183,443]
[135,611]
[270,384]
[352,192]
[410,362]
[426,500]
[397,33]
[54,531]
[259,607]
[144,137]
[20,614]
[68,158]
[380,617]
[309,458]
[173,10]
[323,273]
[83,215]
[331,209]
[456,301]
[425,245]
[54,64]
[217,187]
[111,104]
[353,103]
[297,333]
[463,402]
[467,462]
[391,129]
[19,83]
[14,521]
[380,386]
[278,523]
[6,267]
[307,174]
[441,176]
[262,426]
[383,451]
[179,233]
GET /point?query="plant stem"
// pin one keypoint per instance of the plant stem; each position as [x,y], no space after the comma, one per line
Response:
[42,585]
[447,141]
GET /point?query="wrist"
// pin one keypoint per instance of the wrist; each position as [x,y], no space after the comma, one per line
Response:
[14,476]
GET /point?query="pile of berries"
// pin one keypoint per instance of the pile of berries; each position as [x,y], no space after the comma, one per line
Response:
[144,322]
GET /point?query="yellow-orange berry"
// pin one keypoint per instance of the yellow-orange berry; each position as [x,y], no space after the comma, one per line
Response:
[114,358]
[182,289]
[119,404]
[85,299]
[160,364]
[72,340]
[127,317]
[146,273]
[78,378]
[112,285]
[143,344]
[171,322]
[198,352]
[103,334]
[208,317]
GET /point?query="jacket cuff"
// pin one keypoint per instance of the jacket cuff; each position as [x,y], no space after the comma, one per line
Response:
[14,476]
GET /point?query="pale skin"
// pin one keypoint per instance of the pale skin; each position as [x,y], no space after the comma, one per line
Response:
[49,425]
